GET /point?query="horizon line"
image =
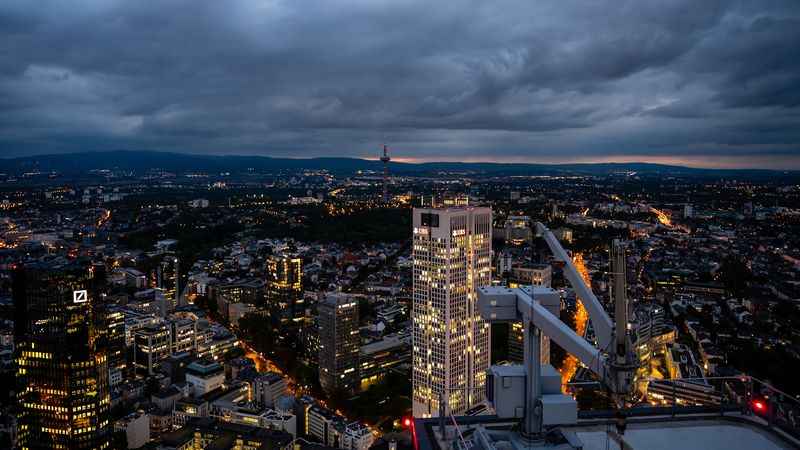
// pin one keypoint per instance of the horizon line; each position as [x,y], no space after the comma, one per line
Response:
[681,162]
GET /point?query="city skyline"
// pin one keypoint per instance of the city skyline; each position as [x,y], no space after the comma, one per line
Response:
[399,224]
[325,303]
[711,85]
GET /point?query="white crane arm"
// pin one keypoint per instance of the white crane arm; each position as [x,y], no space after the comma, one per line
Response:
[600,321]
[497,303]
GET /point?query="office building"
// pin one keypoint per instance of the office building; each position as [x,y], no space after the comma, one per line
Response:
[339,343]
[518,230]
[531,275]
[167,279]
[236,296]
[211,433]
[284,288]
[204,376]
[117,361]
[183,335]
[62,361]
[151,346]
[450,356]
[268,388]
[136,427]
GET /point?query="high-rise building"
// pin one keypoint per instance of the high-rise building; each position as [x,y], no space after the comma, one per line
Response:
[339,343]
[167,279]
[527,275]
[117,361]
[62,363]
[452,259]
[284,288]
[385,160]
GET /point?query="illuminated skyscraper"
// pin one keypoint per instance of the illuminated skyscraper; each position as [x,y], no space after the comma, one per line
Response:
[284,288]
[62,363]
[339,343]
[117,362]
[167,280]
[452,258]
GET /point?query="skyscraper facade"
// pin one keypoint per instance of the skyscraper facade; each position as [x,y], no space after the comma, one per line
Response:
[284,288]
[62,362]
[339,343]
[451,343]
[168,280]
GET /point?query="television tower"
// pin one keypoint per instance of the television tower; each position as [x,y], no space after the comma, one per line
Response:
[385,160]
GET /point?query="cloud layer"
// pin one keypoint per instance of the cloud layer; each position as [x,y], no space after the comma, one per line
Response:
[710,83]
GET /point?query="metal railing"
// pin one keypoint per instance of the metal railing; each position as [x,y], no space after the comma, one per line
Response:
[743,395]
[737,398]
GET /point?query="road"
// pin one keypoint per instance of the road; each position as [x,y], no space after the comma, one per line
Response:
[662,217]
[265,365]
[581,319]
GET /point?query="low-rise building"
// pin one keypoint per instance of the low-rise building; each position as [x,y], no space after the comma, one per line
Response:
[136,427]
[204,376]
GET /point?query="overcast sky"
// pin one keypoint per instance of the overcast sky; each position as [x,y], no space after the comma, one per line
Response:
[699,82]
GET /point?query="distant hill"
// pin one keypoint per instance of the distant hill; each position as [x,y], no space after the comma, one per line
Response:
[140,161]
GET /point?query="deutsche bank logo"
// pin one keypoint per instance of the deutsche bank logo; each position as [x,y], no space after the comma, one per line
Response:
[79,297]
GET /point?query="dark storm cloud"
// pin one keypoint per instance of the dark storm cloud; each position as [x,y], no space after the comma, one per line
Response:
[509,79]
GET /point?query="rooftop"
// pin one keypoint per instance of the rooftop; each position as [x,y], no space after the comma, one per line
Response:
[685,435]
[710,431]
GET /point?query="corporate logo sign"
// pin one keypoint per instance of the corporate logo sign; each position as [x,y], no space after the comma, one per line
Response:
[80,296]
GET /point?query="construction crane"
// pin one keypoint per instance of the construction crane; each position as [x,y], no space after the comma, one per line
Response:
[613,361]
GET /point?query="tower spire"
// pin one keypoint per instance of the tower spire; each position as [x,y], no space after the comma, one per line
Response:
[385,160]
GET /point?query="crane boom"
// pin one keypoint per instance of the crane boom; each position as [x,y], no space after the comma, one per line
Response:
[602,324]
[497,303]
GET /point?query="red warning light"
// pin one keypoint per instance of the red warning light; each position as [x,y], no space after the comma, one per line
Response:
[407,422]
[758,405]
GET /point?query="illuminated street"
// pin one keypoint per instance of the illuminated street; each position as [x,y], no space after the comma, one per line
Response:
[662,217]
[581,318]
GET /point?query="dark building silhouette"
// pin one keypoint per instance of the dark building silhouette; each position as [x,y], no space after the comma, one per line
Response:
[339,343]
[62,375]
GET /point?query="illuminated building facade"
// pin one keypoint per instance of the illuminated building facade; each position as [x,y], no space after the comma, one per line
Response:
[518,230]
[339,343]
[450,356]
[533,275]
[151,346]
[62,362]
[168,280]
[117,361]
[284,288]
